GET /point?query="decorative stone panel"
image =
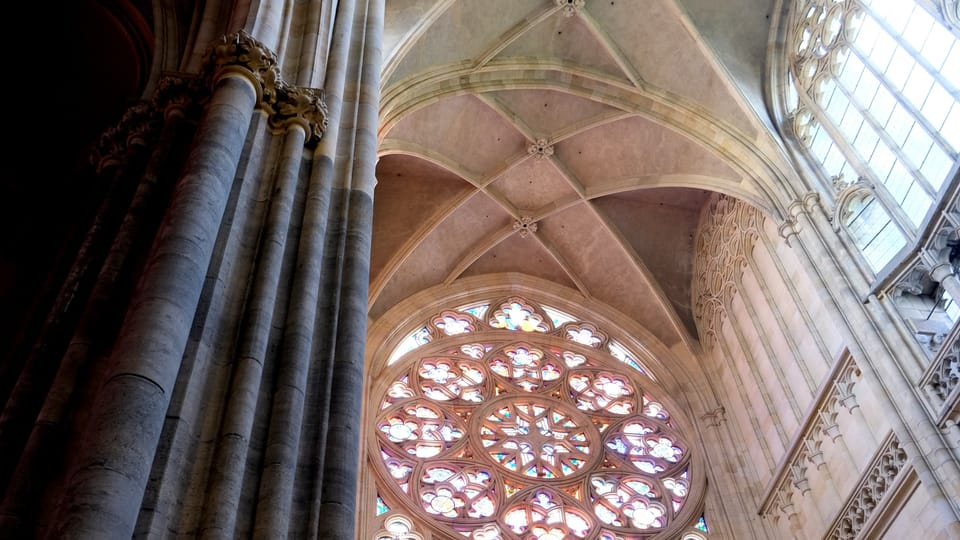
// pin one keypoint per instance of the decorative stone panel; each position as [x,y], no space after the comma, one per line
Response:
[874,485]
[821,424]
[725,241]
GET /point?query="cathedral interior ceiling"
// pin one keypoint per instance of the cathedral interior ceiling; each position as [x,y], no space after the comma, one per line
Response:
[574,142]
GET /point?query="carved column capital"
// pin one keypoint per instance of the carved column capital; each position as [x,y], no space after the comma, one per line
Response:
[240,53]
[303,106]
[176,94]
[284,103]
[137,127]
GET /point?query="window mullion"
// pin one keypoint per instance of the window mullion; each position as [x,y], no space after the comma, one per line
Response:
[915,54]
[897,215]
[933,132]
[888,140]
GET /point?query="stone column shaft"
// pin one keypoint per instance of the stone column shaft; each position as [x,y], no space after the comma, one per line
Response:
[108,476]
[338,510]
[41,364]
[50,430]
[276,485]
[220,508]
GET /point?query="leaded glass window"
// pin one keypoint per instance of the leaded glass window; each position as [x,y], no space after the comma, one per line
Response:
[526,423]
[873,96]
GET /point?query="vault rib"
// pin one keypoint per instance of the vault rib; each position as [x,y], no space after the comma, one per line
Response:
[412,37]
[514,33]
[608,45]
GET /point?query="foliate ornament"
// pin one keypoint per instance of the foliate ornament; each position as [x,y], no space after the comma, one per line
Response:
[524,226]
[284,102]
[180,92]
[541,148]
[241,50]
[293,104]
[138,127]
[570,7]
[838,183]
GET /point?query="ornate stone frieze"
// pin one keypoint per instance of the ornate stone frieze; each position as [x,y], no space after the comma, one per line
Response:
[725,241]
[869,493]
[570,7]
[822,423]
[284,103]
[541,148]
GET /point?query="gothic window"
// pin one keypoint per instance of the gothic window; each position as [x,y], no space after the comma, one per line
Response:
[525,423]
[873,96]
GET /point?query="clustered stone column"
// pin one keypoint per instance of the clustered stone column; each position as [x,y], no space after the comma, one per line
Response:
[98,415]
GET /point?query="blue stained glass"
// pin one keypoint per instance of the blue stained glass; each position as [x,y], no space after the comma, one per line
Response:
[382,507]
[702,525]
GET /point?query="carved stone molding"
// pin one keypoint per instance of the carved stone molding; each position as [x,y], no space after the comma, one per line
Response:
[570,7]
[943,376]
[836,392]
[950,10]
[803,205]
[875,483]
[727,234]
[541,148]
[715,417]
[285,103]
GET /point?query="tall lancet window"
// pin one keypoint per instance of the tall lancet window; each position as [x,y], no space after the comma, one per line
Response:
[873,96]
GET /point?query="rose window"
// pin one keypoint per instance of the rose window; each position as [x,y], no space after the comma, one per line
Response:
[537,438]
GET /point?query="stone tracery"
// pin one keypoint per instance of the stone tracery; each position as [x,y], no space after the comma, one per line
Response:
[519,418]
